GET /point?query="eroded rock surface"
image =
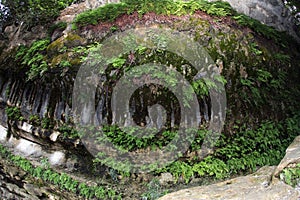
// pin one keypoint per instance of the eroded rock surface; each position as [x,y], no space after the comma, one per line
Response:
[258,186]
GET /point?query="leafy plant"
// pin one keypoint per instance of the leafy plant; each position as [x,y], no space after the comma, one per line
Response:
[65,63]
[34,58]
[245,151]
[68,131]
[14,113]
[34,12]
[110,12]
[258,27]
[47,123]
[255,49]
[34,119]
[291,175]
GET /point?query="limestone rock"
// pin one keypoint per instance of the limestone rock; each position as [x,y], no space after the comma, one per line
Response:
[292,156]
[256,186]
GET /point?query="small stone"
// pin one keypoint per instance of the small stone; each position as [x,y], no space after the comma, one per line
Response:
[33,190]
[54,136]
[57,158]
[26,127]
[12,171]
[166,178]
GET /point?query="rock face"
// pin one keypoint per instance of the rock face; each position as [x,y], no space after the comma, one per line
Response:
[292,156]
[256,186]
[270,12]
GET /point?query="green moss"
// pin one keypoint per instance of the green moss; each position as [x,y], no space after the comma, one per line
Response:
[65,42]
[58,59]
[55,46]
[73,40]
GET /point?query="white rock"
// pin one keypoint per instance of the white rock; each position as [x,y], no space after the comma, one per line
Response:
[54,136]
[57,158]
[26,127]
[3,133]
[28,148]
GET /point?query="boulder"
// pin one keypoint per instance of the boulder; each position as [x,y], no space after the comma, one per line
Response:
[292,156]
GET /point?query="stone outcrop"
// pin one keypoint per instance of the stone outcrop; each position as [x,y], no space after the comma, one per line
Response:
[291,157]
[270,12]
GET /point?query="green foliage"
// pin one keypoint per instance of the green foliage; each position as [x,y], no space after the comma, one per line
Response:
[68,131]
[65,63]
[258,27]
[255,49]
[261,84]
[220,9]
[211,167]
[129,140]
[282,57]
[118,62]
[14,113]
[34,58]
[291,176]
[34,119]
[47,123]
[110,12]
[34,12]
[245,151]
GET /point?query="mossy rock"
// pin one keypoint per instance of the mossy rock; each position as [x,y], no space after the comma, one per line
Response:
[54,47]
[56,60]
[73,40]
[68,56]
[67,41]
